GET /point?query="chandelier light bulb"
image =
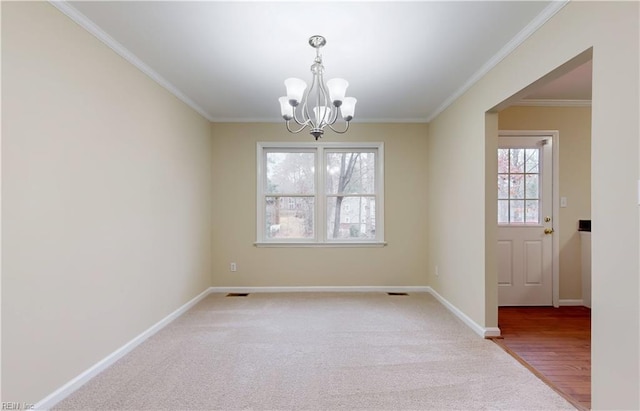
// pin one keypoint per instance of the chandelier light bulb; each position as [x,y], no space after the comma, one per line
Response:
[322,104]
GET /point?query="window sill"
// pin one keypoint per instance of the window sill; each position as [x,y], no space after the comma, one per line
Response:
[349,244]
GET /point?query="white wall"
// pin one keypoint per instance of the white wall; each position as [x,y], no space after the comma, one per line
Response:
[106,201]
[462,185]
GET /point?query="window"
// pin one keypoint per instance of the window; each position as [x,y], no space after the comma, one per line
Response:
[320,193]
[518,186]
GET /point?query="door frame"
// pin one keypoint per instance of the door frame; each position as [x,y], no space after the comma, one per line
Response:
[554,135]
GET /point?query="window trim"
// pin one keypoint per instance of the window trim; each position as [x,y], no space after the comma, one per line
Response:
[319,239]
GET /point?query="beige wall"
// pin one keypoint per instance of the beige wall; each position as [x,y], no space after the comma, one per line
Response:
[574,129]
[401,263]
[106,188]
[461,184]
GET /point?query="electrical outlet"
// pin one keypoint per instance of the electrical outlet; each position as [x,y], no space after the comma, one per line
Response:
[234,267]
[437,272]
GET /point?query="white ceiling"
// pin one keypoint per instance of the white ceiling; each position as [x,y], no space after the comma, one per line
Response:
[405,61]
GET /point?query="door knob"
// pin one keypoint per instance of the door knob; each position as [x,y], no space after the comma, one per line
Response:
[548,230]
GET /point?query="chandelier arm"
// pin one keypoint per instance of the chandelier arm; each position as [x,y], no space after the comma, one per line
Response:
[343,131]
[298,130]
[295,117]
[305,113]
[327,118]
[333,116]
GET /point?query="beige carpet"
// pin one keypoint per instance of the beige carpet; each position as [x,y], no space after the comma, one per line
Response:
[328,351]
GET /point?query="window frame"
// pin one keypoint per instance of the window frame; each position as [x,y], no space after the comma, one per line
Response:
[320,196]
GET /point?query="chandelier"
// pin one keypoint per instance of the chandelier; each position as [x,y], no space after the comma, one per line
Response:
[325,99]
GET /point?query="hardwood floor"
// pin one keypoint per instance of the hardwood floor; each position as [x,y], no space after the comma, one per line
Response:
[555,343]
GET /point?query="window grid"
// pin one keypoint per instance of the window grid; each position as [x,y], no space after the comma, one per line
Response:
[518,186]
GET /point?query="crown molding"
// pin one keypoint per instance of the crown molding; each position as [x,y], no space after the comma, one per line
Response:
[355,121]
[525,33]
[84,22]
[553,103]
[391,120]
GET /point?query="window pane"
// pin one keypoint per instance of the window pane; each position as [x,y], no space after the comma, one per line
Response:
[290,173]
[532,214]
[517,160]
[531,155]
[517,186]
[503,160]
[503,186]
[350,173]
[289,217]
[503,212]
[532,188]
[351,218]
[516,211]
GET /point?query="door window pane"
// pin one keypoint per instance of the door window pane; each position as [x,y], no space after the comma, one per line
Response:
[503,211]
[517,186]
[532,190]
[532,155]
[532,213]
[517,160]
[503,160]
[503,186]
[516,212]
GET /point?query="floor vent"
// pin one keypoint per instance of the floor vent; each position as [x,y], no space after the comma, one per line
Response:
[237,294]
[397,294]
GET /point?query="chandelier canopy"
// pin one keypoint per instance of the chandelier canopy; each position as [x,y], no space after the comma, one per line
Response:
[319,106]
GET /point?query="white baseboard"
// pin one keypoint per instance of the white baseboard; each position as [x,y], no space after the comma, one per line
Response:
[485,332]
[67,389]
[321,289]
[570,302]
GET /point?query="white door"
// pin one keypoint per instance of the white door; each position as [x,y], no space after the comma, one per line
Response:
[525,221]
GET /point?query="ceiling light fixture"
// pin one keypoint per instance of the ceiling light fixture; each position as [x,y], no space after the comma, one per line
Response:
[326,99]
